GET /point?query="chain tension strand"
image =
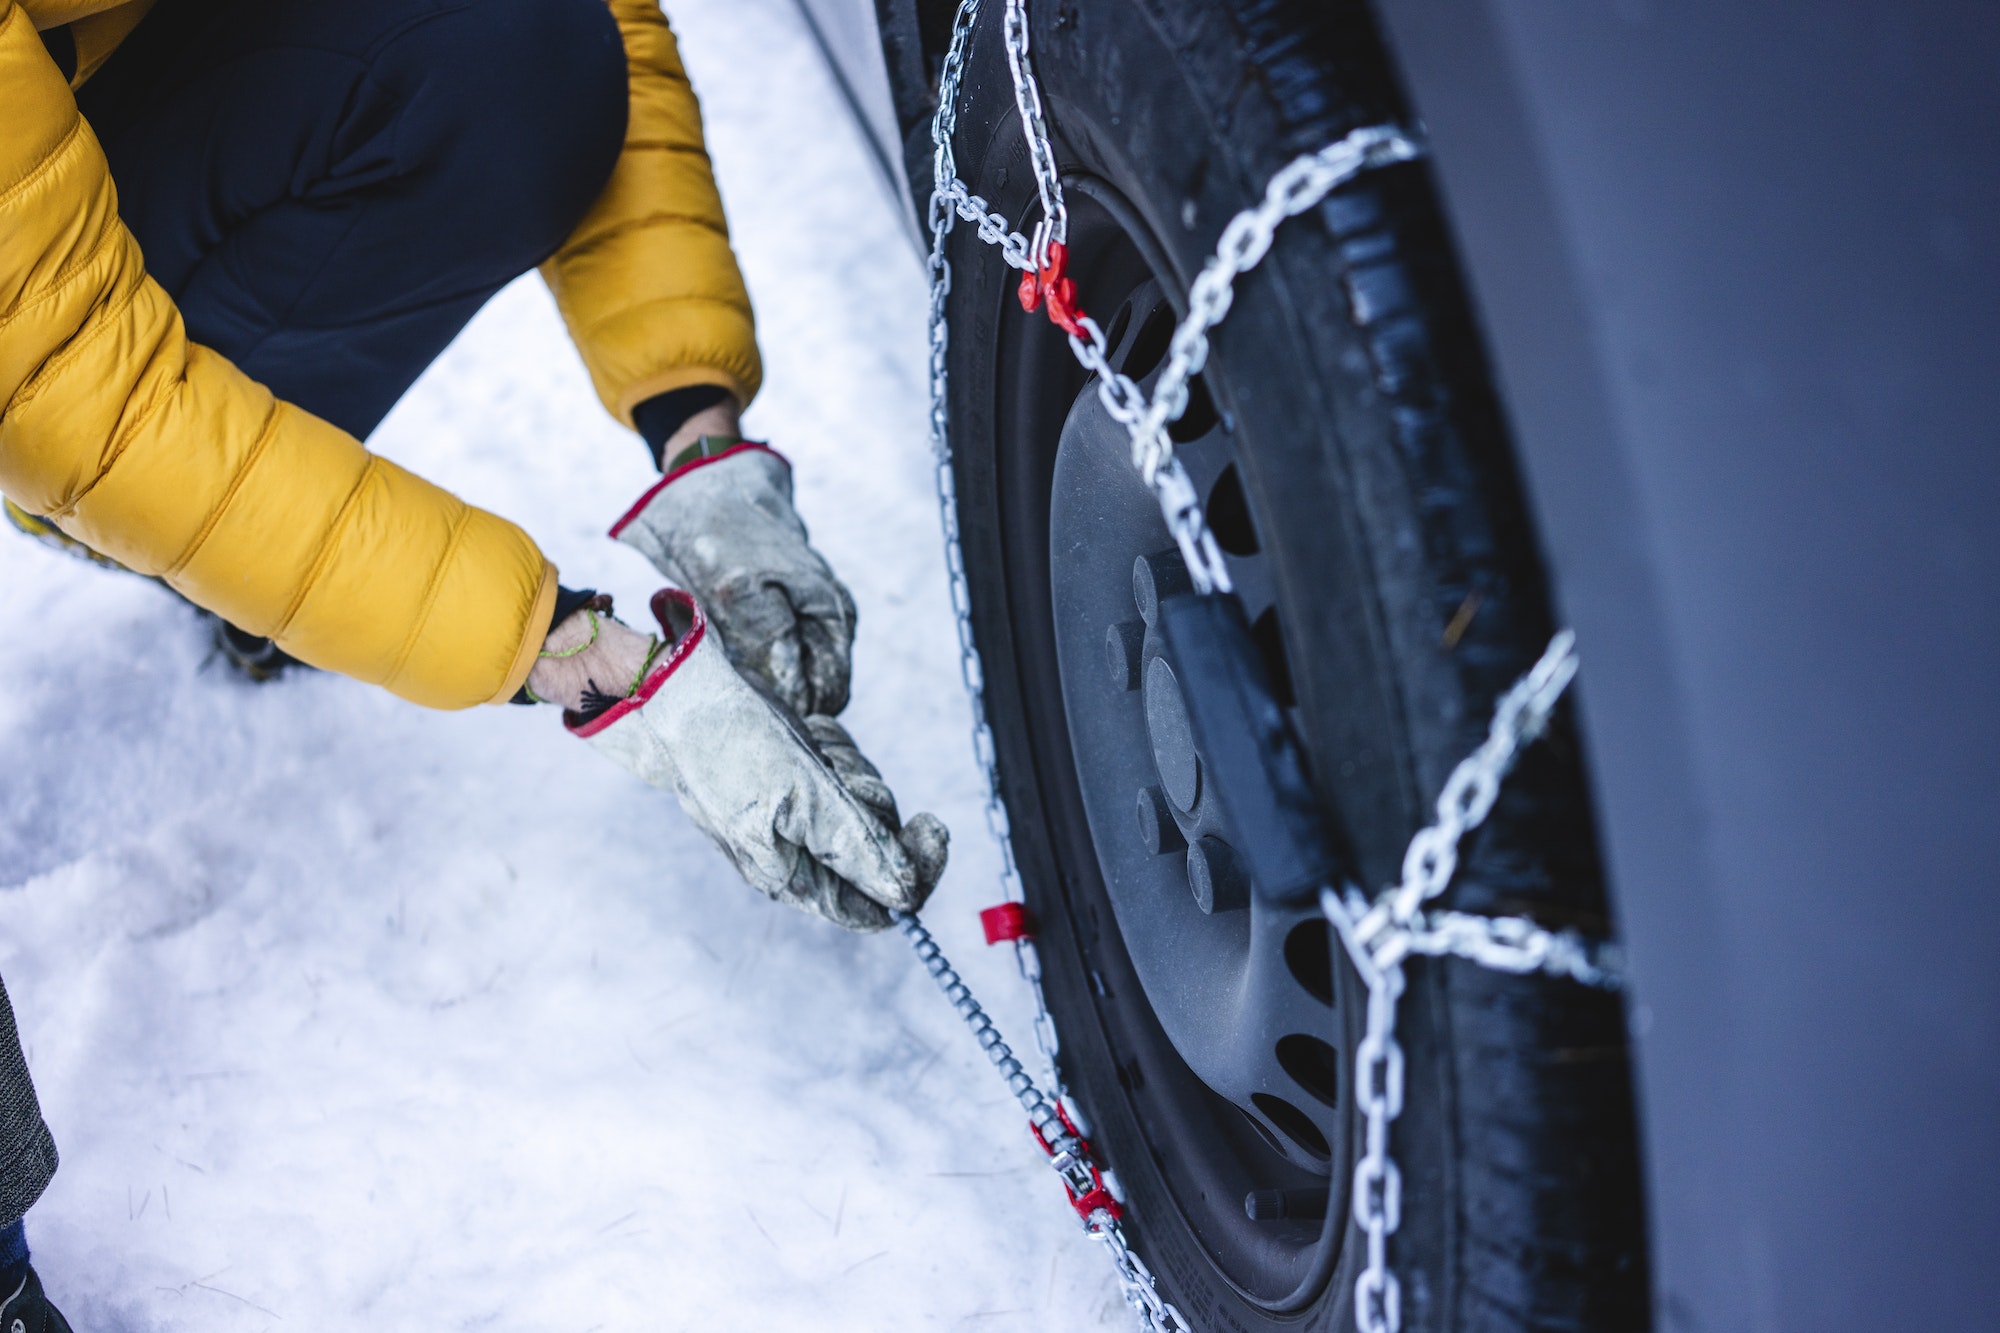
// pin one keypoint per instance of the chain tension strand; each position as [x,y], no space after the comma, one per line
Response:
[1057,1131]
[1378,936]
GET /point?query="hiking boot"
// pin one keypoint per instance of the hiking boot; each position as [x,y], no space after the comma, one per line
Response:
[253,655]
[28,1309]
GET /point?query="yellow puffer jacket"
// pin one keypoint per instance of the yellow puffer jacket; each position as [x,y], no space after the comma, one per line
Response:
[164,456]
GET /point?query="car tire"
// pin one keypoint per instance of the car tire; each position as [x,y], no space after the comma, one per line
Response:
[1352,457]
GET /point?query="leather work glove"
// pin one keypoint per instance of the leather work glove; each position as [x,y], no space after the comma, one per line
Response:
[723,527]
[793,804]
[925,837]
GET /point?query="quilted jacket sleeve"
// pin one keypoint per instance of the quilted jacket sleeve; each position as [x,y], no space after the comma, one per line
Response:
[647,283]
[160,453]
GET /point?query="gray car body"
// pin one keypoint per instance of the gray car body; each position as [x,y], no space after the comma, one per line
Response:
[1738,266]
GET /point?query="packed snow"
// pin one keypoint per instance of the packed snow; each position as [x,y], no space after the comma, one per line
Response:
[351,1015]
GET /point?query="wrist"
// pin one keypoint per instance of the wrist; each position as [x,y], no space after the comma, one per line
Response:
[588,659]
[671,421]
[720,420]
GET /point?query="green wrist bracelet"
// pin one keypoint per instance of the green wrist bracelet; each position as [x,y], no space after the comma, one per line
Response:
[653,645]
[706,446]
[581,647]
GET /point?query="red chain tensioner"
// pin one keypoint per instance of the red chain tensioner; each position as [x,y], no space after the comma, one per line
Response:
[1081,1179]
[1052,282]
[1008,921]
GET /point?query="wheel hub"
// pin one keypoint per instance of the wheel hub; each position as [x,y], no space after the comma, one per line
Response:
[1173,737]
[1212,958]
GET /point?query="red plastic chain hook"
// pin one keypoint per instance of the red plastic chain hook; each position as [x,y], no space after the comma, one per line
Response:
[1096,1199]
[1053,283]
[1008,921]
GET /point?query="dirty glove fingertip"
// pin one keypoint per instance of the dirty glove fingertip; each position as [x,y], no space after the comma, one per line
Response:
[927,842]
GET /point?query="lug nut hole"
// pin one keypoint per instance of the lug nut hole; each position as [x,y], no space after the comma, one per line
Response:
[1313,1065]
[1198,418]
[1228,514]
[1294,1124]
[1150,343]
[1309,958]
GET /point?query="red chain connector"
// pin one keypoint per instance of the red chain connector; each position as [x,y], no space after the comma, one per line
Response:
[1053,283]
[1095,1199]
[1008,921]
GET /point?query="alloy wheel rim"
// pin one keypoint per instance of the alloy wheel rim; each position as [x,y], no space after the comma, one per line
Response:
[1247,996]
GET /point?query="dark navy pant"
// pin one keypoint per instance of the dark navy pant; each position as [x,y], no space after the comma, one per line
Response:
[330,189]
[27,1152]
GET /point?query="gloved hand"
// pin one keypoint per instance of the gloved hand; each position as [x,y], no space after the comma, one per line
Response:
[724,528]
[793,805]
[925,837]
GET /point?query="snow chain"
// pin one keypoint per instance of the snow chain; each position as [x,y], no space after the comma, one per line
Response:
[1378,935]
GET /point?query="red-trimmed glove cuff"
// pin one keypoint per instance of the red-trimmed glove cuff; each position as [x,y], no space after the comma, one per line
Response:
[662,667]
[681,471]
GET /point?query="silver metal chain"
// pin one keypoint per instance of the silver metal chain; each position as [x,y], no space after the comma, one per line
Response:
[945,169]
[1379,936]
[1069,1154]
[1067,1151]
[1053,229]
[1244,243]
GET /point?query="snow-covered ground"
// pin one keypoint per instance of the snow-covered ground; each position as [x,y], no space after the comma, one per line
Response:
[350,1015]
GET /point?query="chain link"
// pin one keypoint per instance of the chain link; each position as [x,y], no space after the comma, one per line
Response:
[1153,457]
[1379,936]
[1053,229]
[1244,243]
[1069,1154]
[1473,787]
[949,199]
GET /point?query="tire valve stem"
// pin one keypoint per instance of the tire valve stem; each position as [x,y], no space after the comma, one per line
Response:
[1308,1205]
